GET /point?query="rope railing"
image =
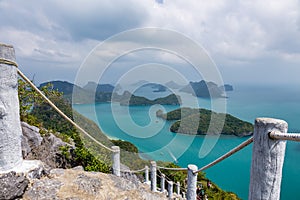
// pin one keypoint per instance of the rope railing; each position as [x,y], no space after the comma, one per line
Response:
[134,171]
[285,136]
[8,62]
[160,176]
[173,169]
[59,111]
[226,155]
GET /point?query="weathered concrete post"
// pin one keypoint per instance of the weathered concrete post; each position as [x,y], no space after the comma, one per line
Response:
[183,195]
[162,183]
[178,188]
[146,174]
[267,160]
[10,125]
[153,176]
[170,189]
[192,182]
[116,160]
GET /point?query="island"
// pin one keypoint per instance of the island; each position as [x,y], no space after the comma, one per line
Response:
[226,87]
[206,89]
[173,85]
[187,118]
[103,93]
[156,87]
[128,99]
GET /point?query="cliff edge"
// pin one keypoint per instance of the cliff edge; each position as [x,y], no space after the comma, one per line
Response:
[57,182]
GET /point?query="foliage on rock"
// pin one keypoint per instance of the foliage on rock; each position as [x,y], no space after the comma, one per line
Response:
[38,113]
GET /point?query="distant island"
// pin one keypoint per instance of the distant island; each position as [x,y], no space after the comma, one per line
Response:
[201,118]
[173,85]
[128,99]
[157,87]
[101,93]
[206,89]
[92,86]
[226,88]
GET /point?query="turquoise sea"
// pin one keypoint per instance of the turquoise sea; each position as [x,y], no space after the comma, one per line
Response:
[153,138]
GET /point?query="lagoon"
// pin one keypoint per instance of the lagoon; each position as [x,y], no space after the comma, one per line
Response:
[155,141]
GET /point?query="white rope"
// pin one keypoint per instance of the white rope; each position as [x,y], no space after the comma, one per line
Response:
[158,176]
[8,62]
[60,112]
[231,152]
[285,136]
[166,177]
[173,169]
[133,171]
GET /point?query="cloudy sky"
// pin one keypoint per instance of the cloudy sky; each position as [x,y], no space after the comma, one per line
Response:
[250,41]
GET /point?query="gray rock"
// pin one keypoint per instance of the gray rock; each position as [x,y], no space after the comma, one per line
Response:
[46,148]
[57,172]
[88,184]
[12,185]
[31,138]
[78,168]
[43,190]
[80,185]
[124,184]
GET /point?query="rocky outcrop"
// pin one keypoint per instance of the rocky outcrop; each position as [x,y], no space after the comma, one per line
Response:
[31,138]
[12,185]
[46,148]
[63,184]
[78,184]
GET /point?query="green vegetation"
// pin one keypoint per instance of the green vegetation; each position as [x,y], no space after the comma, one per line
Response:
[216,193]
[34,111]
[128,99]
[90,155]
[203,89]
[126,146]
[197,121]
[213,192]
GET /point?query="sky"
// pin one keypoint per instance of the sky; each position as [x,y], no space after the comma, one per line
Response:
[250,41]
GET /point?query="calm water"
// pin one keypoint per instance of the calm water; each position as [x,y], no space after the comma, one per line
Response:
[152,135]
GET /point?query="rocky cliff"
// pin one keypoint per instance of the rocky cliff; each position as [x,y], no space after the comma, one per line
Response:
[57,182]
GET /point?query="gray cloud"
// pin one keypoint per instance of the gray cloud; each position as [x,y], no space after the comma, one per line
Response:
[254,35]
[96,19]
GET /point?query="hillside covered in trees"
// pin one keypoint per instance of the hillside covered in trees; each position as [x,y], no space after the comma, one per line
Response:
[197,122]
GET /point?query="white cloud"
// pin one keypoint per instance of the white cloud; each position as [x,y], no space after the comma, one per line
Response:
[241,33]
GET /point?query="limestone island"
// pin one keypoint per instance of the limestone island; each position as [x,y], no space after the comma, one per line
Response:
[103,93]
[186,121]
[156,87]
[205,89]
[128,99]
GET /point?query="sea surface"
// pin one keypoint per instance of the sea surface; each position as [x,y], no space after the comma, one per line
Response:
[151,135]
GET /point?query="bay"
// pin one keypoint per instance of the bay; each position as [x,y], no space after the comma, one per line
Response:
[151,135]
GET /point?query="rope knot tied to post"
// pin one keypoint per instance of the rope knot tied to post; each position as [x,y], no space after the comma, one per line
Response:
[8,62]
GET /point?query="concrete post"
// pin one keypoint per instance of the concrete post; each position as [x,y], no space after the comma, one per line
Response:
[170,189]
[146,174]
[10,125]
[153,176]
[183,195]
[267,160]
[178,188]
[192,183]
[162,183]
[116,160]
